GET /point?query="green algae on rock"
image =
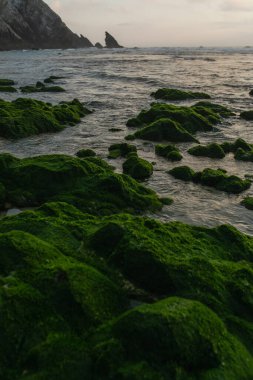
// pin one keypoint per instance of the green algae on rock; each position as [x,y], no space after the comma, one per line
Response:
[137,167]
[26,117]
[121,150]
[171,152]
[212,150]
[63,287]
[89,183]
[7,82]
[176,123]
[83,153]
[40,87]
[213,178]
[247,115]
[52,79]
[248,203]
[7,89]
[175,94]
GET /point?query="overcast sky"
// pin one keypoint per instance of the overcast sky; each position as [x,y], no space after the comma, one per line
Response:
[161,22]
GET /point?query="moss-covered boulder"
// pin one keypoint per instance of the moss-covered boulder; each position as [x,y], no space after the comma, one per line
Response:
[83,153]
[175,94]
[243,155]
[213,178]
[247,115]
[248,203]
[26,117]
[164,129]
[52,79]
[88,183]
[137,167]
[121,150]
[212,150]
[7,82]
[41,87]
[176,122]
[171,152]
[171,339]
[7,89]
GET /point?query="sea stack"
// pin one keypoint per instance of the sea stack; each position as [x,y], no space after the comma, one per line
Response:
[32,24]
[110,42]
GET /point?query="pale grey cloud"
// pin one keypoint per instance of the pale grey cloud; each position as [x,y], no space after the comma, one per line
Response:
[161,22]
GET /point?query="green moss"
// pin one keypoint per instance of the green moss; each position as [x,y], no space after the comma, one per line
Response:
[243,155]
[6,82]
[121,150]
[40,87]
[182,172]
[171,152]
[7,89]
[247,115]
[137,168]
[163,121]
[88,183]
[213,178]
[174,94]
[83,153]
[25,117]
[212,150]
[164,129]
[172,336]
[248,203]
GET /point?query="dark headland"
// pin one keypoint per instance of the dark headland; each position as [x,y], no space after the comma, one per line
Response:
[32,24]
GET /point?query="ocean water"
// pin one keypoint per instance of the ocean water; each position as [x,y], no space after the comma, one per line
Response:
[116,84]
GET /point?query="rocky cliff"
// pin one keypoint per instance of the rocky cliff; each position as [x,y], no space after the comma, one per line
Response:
[110,42]
[32,24]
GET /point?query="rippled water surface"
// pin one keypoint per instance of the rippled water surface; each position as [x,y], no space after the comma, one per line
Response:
[117,85]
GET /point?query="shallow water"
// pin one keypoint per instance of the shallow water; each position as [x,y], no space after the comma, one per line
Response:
[116,85]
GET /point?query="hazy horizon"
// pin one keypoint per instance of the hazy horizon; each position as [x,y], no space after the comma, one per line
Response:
[158,23]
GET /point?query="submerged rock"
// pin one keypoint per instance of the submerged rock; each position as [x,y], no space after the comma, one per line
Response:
[40,87]
[121,150]
[110,42]
[213,178]
[26,117]
[247,115]
[6,82]
[31,24]
[248,203]
[174,94]
[212,150]
[7,89]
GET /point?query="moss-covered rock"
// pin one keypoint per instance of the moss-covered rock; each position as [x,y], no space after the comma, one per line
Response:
[25,117]
[213,178]
[137,167]
[7,89]
[83,153]
[88,183]
[248,203]
[121,150]
[247,115]
[171,339]
[166,121]
[212,150]
[65,278]
[7,82]
[41,87]
[52,79]
[175,94]
[171,152]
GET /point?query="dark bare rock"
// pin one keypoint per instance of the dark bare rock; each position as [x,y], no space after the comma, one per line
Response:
[98,45]
[110,42]
[32,24]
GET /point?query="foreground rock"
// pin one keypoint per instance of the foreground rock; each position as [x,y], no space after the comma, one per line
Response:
[213,178]
[174,94]
[88,183]
[68,279]
[175,123]
[110,42]
[31,24]
[26,117]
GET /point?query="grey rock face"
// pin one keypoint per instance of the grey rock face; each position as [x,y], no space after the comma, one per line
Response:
[110,42]
[32,24]
[98,45]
